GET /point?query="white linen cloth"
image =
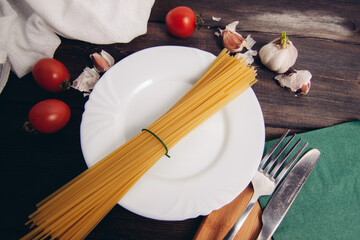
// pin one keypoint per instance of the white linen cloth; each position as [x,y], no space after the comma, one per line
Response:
[29,29]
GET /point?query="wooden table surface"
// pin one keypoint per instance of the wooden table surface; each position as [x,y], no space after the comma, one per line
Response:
[326,34]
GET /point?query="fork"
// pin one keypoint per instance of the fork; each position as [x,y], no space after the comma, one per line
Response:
[268,176]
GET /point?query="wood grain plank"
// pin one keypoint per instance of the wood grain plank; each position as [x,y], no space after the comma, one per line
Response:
[217,224]
[334,20]
[326,33]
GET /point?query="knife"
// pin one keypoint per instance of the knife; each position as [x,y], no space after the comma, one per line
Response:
[286,193]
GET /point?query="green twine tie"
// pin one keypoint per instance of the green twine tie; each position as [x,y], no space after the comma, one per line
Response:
[166,154]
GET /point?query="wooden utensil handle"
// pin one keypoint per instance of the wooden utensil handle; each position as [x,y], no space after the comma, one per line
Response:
[216,225]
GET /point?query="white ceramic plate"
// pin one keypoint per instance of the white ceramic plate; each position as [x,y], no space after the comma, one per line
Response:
[208,168]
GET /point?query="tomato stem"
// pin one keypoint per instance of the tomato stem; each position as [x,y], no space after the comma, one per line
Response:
[28,127]
[65,85]
[199,22]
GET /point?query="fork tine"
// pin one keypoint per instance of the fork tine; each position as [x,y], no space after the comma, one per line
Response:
[283,160]
[274,160]
[289,164]
[272,149]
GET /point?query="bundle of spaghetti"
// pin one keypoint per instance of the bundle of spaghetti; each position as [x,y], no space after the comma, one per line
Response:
[75,209]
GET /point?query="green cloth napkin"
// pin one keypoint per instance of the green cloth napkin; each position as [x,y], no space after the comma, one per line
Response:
[327,206]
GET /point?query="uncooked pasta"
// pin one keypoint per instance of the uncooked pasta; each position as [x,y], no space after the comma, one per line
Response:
[75,209]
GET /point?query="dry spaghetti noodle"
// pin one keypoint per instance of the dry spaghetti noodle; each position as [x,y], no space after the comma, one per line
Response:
[75,209]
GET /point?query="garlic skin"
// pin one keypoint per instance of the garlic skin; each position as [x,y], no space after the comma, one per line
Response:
[299,81]
[102,61]
[279,55]
[249,56]
[216,19]
[232,40]
[86,81]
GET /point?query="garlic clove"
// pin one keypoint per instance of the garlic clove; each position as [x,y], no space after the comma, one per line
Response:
[232,40]
[235,43]
[108,57]
[298,81]
[103,61]
[100,64]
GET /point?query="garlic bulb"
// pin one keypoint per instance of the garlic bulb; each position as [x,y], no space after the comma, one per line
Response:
[299,81]
[279,55]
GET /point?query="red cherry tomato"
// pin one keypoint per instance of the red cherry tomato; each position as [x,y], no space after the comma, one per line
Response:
[51,75]
[49,116]
[180,21]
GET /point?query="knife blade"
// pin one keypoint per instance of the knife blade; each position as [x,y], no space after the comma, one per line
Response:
[286,193]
